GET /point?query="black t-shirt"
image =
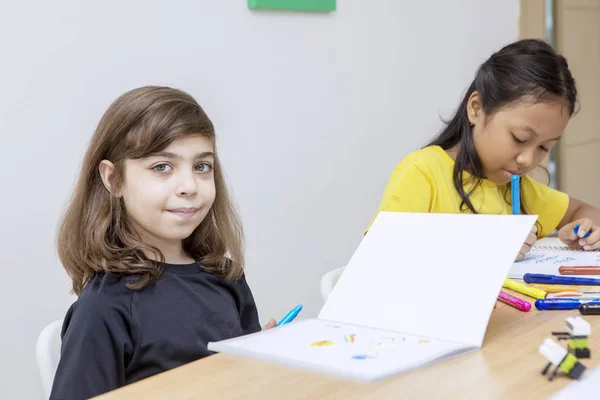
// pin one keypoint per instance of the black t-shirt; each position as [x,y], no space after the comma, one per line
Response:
[113,336]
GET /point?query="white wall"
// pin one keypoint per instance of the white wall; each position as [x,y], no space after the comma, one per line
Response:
[312,113]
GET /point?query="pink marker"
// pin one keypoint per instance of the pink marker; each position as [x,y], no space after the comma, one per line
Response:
[514,301]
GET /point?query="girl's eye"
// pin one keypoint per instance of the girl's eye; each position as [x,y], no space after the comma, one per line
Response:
[518,140]
[544,149]
[204,167]
[162,168]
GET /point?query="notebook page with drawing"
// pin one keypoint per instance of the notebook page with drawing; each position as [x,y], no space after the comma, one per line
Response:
[391,310]
[549,254]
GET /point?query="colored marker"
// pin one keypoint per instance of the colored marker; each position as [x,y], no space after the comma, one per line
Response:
[289,317]
[515,191]
[580,295]
[562,304]
[579,270]
[576,231]
[524,289]
[565,288]
[514,301]
[560,280]
[590,309]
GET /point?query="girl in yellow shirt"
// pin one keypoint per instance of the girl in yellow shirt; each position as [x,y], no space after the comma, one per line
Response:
[512,114]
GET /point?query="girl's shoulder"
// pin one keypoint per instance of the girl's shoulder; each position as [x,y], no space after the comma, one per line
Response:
[428,160]
[105,292]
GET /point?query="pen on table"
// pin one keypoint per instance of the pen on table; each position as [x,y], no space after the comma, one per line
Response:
[565,288]
[562,304]
[589,309]
[514,301]
[289,317]
[583,270]
[569,295]
[576,231]
[560,280]
[524,289]
[515,191]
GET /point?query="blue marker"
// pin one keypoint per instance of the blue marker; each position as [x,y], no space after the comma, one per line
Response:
[577,230]
[560,280]
[561,304]
[289,317]
[515,191]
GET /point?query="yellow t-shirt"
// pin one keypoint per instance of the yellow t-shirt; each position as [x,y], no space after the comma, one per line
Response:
[422,182]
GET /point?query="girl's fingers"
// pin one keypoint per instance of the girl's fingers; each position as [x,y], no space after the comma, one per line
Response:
[592,242]
[585,225]
[567,234]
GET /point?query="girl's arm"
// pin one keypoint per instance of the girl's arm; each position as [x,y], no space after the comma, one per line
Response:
[96,346]
[578,210]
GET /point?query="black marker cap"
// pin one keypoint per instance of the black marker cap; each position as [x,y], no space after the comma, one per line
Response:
[589,309]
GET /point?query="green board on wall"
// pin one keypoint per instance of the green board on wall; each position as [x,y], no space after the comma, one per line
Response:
[298,5]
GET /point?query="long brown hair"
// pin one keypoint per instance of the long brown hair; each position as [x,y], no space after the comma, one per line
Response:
[95,235]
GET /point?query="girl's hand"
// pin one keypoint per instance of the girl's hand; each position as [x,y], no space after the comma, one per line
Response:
[567,235]
[531,238]
[270,325]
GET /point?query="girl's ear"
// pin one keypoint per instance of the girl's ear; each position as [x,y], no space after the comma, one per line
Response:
[107,173]
[475,109]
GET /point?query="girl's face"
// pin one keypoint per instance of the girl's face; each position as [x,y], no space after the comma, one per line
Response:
[168,194]
[517,137]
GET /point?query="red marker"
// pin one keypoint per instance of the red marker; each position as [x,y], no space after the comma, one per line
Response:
[579,270]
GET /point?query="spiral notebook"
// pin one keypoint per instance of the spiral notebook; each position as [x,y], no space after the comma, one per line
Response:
[388,313]
[549,254]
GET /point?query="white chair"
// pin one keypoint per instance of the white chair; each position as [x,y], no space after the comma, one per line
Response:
[47,352]
[329,280]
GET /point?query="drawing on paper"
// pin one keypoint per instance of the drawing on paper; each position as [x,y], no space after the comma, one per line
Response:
[322,343]
[349,338]
[362,357]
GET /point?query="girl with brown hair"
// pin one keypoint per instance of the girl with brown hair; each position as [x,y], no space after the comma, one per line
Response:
[153,246]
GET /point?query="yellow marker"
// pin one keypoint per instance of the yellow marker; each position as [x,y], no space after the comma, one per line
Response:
[565,288]
[524,289]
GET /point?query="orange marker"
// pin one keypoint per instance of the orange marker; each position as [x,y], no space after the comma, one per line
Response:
[579,270]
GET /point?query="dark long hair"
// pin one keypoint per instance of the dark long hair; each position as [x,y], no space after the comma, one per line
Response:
[528,69]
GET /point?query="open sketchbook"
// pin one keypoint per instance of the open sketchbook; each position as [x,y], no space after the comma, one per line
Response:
[420,288]
[549,254]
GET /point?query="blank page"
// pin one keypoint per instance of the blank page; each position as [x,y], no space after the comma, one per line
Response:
[432,275]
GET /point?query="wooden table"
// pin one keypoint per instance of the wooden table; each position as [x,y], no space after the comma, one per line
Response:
[508,366]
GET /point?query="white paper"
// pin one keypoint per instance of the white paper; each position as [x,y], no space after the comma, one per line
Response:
[340,349]
[586,388]
[549,254]
[432,275]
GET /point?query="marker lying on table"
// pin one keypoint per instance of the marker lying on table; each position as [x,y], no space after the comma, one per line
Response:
[576,231]
[562,304]
[565,288]
[560,280]
[514,301]
[515,191]
[590,309]
[524,289]
[579,270]
[289,317]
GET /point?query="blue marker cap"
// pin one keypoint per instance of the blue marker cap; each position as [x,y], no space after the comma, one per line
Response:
[576,230]
[289,317]
[515,191]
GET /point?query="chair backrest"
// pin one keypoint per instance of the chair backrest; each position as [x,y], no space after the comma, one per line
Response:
[47,351]
[329,280]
